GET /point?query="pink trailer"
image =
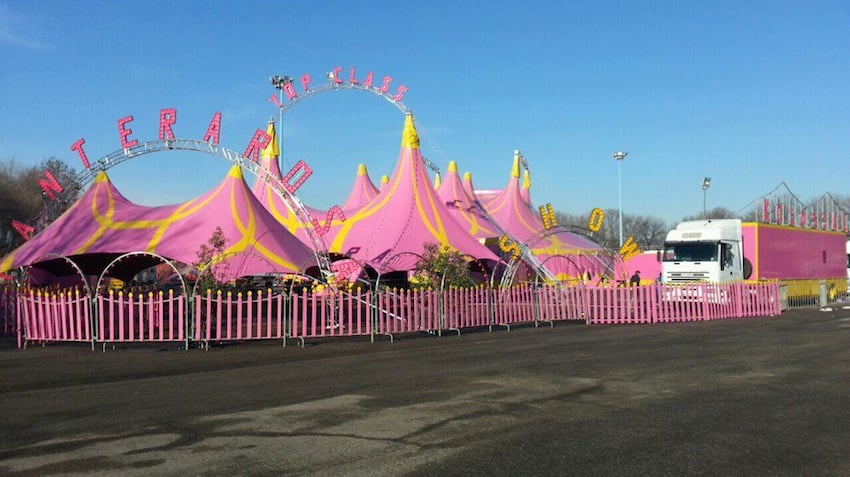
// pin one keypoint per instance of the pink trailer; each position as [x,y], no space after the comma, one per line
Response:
[785,252]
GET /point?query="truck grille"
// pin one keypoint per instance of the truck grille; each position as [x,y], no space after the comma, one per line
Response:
[687,277]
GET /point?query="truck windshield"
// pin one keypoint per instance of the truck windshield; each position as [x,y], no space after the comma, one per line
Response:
[690,252]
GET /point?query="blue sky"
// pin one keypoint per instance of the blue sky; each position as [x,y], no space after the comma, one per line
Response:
[749,93]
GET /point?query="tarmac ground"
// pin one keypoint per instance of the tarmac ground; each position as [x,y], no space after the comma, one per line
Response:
[754,396]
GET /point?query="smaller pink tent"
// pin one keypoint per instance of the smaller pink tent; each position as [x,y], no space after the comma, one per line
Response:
[567,255]
[465,210]
[363,190]
[482,196]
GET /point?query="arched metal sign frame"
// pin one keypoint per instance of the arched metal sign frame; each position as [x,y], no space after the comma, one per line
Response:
[333,86]
[515,260]
[294,204]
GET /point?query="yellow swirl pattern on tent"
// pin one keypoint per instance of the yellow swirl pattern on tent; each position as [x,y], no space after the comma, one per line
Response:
[410,144]
[246,226]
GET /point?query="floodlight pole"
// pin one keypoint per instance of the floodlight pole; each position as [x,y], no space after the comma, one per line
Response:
[706,183]
[279,82]
[619,156]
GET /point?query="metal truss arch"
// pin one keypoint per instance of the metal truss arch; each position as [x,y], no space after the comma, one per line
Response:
[333,86]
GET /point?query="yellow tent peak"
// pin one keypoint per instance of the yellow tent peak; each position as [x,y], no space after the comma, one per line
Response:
[101,177]
[467,176]
[409,137]
[272,150]
[361,170]
[515,168]
[526,179]
[452,167]
[235,172]
[437,181]
[385,179]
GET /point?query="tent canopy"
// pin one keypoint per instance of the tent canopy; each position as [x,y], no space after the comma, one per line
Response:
[566,254]
[465,210]
[103,223]
[406,214]
[363,190]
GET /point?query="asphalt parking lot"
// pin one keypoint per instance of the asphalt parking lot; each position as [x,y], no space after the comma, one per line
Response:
[758,396]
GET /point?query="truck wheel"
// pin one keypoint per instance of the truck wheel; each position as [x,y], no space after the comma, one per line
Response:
[748,269]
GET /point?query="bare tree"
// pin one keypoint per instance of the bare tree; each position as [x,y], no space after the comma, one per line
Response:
[649,232]
[23,200]
[715,213]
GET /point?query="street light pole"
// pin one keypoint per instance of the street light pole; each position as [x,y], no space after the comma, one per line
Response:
[619,156]
[706,183]
[279,82]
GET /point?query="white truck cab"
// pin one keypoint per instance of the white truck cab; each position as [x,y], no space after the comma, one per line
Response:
[704,251]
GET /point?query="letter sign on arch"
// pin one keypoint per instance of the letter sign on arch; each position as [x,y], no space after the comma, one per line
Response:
[337,80]
[249,159]
[131,147]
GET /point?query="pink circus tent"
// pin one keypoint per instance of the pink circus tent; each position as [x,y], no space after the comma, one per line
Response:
[567,255]
[486,195]
[362,192]
[407,213]
[103,224]
[465,210]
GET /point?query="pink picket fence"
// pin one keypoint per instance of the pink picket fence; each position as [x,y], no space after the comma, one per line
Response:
[514,305]
[138,318]
[263,315]
[406,311]
[227,317]
[336,314]
[755,299]
[681,303]
[561,304]
[462,308]
[54,316]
